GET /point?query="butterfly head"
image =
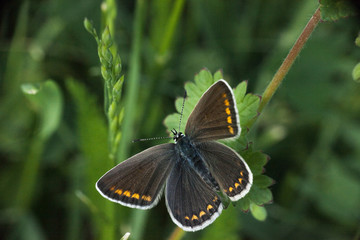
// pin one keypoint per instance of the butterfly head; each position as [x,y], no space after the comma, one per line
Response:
[177,135]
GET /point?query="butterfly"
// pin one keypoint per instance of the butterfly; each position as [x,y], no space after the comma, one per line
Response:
[195,170]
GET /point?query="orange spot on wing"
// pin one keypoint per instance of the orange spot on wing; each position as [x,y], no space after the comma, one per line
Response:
[231,130]
[215,199]
[194,217]
[209,207]
[187,218]
[202,213]
[231,189]
[226,102]
[127,193]
[229,120]
[146,198]
[227,110]
[237,185]
[241,173]
[224,95]
[118,191]
[112,188]
[240,180]
[135,195]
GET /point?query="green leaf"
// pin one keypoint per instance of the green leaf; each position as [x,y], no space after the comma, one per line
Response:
[218,75]
[248,107]
[357,40]
[203,80]
[240,92]
[193,90]
[356,73]
[332,10]
[259,195]
[244,203]
[46,99]
[258,212]
[255,160]
[263,181]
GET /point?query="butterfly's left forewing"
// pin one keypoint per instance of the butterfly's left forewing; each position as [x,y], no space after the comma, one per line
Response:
[138,181]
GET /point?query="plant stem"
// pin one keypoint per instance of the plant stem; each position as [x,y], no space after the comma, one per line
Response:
[289,60]
[171,27]
[138,219]
[177,234]
[29,175]
[133,82]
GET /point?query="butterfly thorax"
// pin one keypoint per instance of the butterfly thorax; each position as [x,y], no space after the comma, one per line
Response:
[189,155]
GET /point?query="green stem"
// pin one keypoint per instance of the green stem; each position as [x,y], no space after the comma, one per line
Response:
[133,83]
[156,70]
[171,26]
[29,175]
[289,60]
[177,234]
[132,88]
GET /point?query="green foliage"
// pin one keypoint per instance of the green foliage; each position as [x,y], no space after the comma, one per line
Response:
[332,10]
[92,130]
[258,212]
[356,73]
[357,40]
[356,69]
[46,100]
[51,159]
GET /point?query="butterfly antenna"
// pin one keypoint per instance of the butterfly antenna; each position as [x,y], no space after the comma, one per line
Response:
[149,139]
[182,109]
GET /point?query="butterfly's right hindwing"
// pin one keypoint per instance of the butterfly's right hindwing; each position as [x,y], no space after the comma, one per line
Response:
[138,181]
[229,169]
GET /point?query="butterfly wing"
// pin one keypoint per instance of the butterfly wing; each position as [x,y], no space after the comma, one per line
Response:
[192,204]
[215,116]
[228,168]
[138,181]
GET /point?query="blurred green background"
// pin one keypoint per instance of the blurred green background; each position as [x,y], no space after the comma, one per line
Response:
[53,145]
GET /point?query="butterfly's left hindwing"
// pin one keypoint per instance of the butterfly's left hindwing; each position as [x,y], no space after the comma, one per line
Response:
[192,204]
[138,181]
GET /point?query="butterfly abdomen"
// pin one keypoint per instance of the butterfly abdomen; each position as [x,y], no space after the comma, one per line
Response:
[189,155]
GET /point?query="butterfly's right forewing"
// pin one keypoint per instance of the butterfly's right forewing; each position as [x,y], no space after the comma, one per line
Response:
[215,116]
